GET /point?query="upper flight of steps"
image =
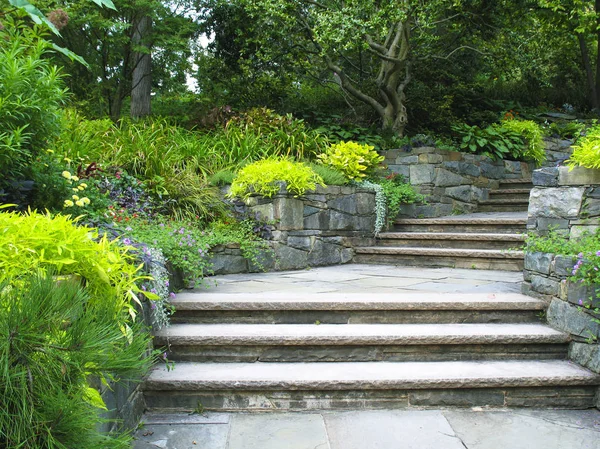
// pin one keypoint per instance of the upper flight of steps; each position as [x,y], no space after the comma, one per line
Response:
[286,351]
[490,239]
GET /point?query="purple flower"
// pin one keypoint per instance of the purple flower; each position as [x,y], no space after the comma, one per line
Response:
[129,228]
[164,355]
[162,225]
[597,253]
[152,305]
[143,287]
[580,302]
[172,295]
[153,290]
[167,283]
[580,255]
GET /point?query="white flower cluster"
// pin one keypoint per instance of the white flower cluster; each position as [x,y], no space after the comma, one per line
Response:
[380,204]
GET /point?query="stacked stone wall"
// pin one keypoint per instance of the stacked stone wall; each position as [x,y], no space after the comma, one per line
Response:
[316,229]
[569,202]
[453,182]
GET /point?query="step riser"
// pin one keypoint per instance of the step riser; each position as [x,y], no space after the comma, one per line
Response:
[366,353]
[515,185]
[573,397]
[459,244]
[436,262]
[355,317]
[463,228]
[502,208]
[509,196]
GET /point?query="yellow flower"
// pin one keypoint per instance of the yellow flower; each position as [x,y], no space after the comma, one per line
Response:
[75,197]
[66,174]
[74,178]
[85,200]
[75,189]
[68,160]
[50,151]
[80,188]
[79,203]
[83,184]
[68,203]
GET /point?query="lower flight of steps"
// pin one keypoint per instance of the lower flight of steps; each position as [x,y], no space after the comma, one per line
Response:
[273,351]
[482,241]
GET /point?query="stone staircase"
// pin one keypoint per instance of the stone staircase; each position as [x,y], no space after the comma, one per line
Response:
[489,239]
[287,351]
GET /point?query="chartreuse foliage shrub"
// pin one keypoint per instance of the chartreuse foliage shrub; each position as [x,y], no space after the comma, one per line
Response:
[586,153]
[34,241]
[264,178]
[354,160]
[67,316]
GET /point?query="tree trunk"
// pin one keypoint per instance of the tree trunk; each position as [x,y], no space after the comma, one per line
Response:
[596,90]
[587,65]
[141,85]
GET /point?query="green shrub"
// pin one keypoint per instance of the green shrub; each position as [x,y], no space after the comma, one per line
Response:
[586,153]
[566,130]
[329,175]
[354,160]
[532,134]
[397,192]
[31,94]
[264,178]
[221,178]
[51,344]
[492,141]
[32,242]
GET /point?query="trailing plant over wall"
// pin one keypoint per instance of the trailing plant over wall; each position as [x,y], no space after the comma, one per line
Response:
[380,204]
[533,136]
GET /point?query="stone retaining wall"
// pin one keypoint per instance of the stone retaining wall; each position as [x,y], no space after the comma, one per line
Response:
[316,229]
[568,201]
[453,182]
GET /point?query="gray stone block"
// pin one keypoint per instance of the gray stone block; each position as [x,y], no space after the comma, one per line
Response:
[324,254]
[586,354]
[569,318]
[265,261]
[320,220]
[309,210]
[545,177]
[581,294]
[492,171]
[228,264]
[287,258]
[592,192]
[563,265]
[300,242]
[543,224]
[578,176]
[408,160]
[289,212]
[403,170]
[365,203]
[444,178]
[345,203]
[513,167]
[555,202]
[591,207]
[341,221]
[545,285]
[422,174]
[467,169]
[538,262]
[457,398]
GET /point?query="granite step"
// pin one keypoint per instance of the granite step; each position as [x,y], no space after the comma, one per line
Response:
[520,194]
[360,342]
[483,259]
[369,385]
[451,240]
[456,224]
[355,308]
[519,183]
[503,205]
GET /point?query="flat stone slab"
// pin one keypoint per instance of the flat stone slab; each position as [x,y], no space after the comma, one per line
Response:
[357,334]
[186,436]
[442,252]
[289,431]
[527,429]
[368,375]
[358,301]
[390,430]
[510,218]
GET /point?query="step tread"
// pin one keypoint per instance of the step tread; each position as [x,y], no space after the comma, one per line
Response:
[443,252]
[355,301]
[368,375]
[457,220]
[505,201]
[453,236]
[358,334]
[516,181]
